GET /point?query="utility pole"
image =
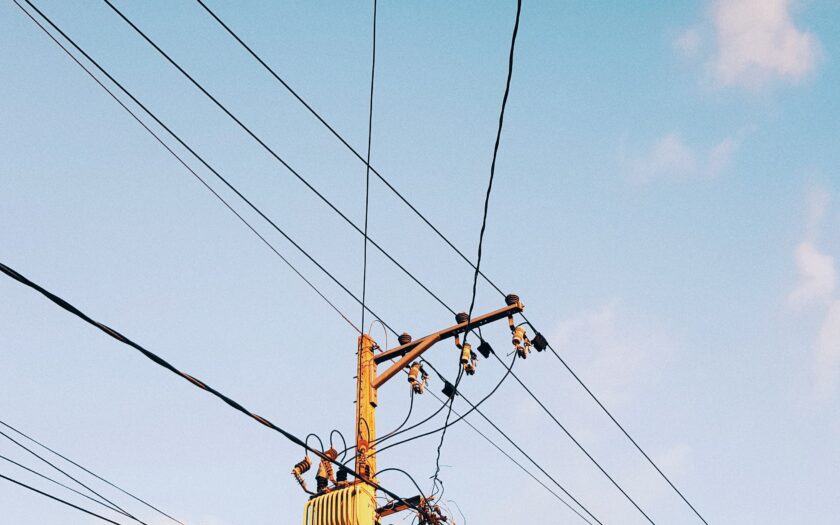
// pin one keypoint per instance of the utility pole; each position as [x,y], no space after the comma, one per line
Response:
[354,503]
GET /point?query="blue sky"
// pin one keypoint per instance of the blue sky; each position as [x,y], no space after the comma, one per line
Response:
[667,203]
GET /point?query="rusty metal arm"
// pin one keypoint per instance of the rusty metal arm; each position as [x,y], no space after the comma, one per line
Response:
[399,506]
[411,351]
[420,347]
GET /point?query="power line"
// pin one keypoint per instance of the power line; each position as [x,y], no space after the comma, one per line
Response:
[196,382]
[201,159]
[100,478]
[367,163]
[60,484]
[55,498]
[113,506]
[581,447]
[517,447]
[271,151]
[440,234]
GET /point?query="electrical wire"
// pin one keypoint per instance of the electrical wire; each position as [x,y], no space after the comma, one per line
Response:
[367,163]
[55,498]
[108,503]
[336,431]
[312,434]
[444,428]
[396,430]
[461,417]
[273,153]
[62,485]
[521,451]
[443,237]
[395,469]
[201,159]
[97,476]
[196,382]
[581,447]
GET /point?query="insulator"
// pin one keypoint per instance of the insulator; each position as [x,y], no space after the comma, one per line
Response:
[511,299]
[299,469]
[414,380]
[485,349]
[341,477]
[448,389]
[404,338]
[466,350]
[470,367]
[518,335]
[324,474]
[539,342]
[461,317]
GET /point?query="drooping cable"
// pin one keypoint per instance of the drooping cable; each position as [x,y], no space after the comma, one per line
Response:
[367,163]
[195,381]
[460,417]
[97,476]
[273,153]
[484,218]
[56,498]
[441,235]
[102,499]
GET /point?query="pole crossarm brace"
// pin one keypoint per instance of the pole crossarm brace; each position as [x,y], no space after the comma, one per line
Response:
[411,351]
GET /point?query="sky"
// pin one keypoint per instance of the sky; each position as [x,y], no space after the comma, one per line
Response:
[666,204]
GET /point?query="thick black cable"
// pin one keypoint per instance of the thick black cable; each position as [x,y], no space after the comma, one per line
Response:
[440,234]
[483,219]
[196,382]
[495,155]
[399,427]
[579,446]
[55,498]
[517,447]
[202,160]
[409,476]
[367,164]
[273,153]
[97,476]
[62,485]
[55,467]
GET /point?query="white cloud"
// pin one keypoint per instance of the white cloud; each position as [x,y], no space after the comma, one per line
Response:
[757,41]
[619,352]
[818,286]
[817,275]
[671,158]
[827,349]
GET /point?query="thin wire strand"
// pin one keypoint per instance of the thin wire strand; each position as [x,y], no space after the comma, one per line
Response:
[103,499]
[195,174]
[55,498]
[527,456]
[367,164]
[95,475]
[273,153]
[62,485]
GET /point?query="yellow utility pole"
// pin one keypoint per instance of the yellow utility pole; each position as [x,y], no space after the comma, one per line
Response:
[366,401]
[354,503]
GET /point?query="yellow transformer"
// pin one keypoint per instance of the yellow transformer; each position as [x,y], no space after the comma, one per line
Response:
[353,505]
